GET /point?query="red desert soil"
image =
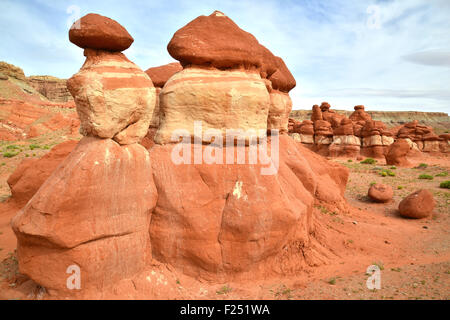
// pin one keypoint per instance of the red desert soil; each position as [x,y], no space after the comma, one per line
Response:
[413,255]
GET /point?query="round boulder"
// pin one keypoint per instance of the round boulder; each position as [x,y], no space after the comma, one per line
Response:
[417,205]
[380,192]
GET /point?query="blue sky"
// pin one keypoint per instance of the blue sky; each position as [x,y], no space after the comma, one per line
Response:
[387,55]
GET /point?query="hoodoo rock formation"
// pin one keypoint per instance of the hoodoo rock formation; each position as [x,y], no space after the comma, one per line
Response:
[216,220]
[358,135]
[112,208]
[220,84]
[114,97]
[94,209]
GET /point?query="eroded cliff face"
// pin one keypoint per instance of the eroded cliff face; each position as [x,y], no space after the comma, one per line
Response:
[15,85]
[54,89]
[440,121]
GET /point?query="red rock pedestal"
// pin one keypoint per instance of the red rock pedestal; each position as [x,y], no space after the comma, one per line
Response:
[93,212]
[217,221]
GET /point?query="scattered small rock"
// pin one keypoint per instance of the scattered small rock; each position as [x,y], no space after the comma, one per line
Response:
[380,192]
[417,205]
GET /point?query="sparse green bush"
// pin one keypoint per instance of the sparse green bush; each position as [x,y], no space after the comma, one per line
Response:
[426,176]
[34,146]
[393,167]
[445,184]
[10,154]
[12,147]
[385,173]
[349,160]
[400,187]
[373,183]
[442,174]
[422,166]
[369,161]
[224,290]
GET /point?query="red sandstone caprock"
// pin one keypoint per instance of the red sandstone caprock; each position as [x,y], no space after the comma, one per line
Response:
[94,31]
[161,74]
[215,41]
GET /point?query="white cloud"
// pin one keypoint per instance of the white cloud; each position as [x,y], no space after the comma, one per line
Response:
[330,47]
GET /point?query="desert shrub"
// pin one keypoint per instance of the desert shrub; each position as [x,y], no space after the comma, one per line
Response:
[400,187]
[369,161]
[393,167]
[46,147]
[10,154]
[385,173]
[349,160]
[426,176]
[422,166]
[445,184]
[373,183]
[12,147]
[224,290]
[442,174]
[34,146]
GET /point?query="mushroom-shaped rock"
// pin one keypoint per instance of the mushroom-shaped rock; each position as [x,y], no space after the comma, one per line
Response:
[380,192]
[417,205]
[360,114]
[94,31]
[232,96]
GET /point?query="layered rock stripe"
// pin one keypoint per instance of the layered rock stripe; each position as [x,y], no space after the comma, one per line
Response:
[114,97]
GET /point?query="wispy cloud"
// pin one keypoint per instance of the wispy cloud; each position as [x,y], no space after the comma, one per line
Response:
[384,54]
[430,58]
